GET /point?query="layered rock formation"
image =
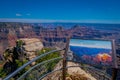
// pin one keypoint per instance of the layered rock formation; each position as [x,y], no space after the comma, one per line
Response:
[31,46]
[10,32]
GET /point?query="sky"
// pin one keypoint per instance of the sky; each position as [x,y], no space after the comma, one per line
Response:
[91,43]
[92,11]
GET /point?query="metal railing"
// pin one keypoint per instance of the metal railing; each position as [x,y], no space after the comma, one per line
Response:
[28,63]
[99,75]
[41,69]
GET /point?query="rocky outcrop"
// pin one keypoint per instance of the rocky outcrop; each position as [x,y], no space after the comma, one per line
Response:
[10,32]
[78,72]
[31,46]
[24,50]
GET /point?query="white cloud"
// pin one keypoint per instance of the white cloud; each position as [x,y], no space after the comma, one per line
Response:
[17,14]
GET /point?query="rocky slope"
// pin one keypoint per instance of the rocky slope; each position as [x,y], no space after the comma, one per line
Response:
[78,71]
[73,73]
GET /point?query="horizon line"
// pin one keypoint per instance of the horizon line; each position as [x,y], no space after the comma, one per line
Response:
[90,46]
[56,21]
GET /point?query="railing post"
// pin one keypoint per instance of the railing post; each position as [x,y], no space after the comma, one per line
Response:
[64,60]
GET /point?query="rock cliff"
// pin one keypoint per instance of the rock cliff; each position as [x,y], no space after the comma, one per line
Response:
[31,46]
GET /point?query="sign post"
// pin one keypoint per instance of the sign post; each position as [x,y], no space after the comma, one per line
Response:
[114,73]
[98,54]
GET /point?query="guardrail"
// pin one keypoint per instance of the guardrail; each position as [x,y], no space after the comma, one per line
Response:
[101,76]
[28,63]
[39,71]
[39,67]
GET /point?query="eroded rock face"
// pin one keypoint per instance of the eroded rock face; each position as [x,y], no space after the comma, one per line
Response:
[10,32]
[31,45]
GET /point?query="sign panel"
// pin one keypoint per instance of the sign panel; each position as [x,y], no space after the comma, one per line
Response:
[93,52]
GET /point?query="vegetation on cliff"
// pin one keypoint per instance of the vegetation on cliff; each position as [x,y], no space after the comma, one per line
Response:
[12,60]
[48,57]
[15,57]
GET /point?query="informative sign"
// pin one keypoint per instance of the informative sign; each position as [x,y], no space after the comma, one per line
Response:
[92,52]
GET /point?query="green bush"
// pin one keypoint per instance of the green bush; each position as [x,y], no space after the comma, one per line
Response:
[51,64]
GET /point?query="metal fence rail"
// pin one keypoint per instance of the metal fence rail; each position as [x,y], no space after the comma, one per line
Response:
[100,75]
[40,64]
[28,63]
[39,71]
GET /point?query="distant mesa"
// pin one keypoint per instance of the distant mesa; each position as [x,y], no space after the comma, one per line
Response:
[101,57]
[104,57]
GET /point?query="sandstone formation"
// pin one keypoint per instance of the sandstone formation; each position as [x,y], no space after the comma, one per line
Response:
[31,45]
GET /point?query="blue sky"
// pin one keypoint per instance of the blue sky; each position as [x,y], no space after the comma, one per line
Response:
[95,11]
[91,43]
